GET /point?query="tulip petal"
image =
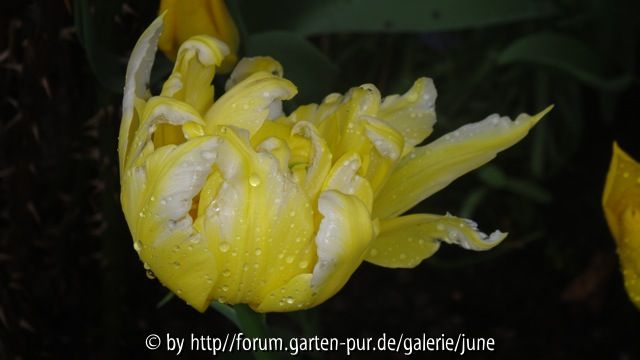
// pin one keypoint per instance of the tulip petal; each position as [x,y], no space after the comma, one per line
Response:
[412,114]
[405,241]
[319,158]
[629,252]
[432,167]
[343,236]
[248,104]
[136,84]
[344,177]
[194,70]
[257,221]
[621,203]
[162,111]
[185,19]
[156,201]
[622,188]
[251,65]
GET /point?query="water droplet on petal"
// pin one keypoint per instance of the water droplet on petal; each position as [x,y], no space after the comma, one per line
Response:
[137,245]
[150,275]
[224,246]
[226,273]
[373,252]
[289,259]
[258,251]
[254,180]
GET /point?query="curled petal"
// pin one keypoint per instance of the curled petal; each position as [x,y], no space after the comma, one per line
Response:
[344,234]
[432,167]
[136,86]
[319,159]
[248,104]
[412,114]
[405,241]
[256,220]
[194,70]
[251,65]
[187,18]
[156,198]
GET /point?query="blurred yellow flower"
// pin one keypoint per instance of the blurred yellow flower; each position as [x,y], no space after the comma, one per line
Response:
[187,18]
[621,203]
[235,201]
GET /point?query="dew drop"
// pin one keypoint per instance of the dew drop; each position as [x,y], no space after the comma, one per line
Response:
[289,259]
[150,275]
[224,288]
[176,264]
[292,213]
[254,180]
[303,264]
[137,245]
[224,246]
[258,251]
[289,300]
[373,252]
[226,273]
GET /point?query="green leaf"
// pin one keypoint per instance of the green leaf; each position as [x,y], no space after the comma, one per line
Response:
[312,17]
[309,69]
[94,32]
[566,54]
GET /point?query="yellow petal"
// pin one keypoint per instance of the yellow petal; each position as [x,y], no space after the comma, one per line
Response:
[251,65]
[342,238]
[621,203]
[405,241]
[252,101]
[629,252]
[156,199]
[412,114]
[317,162]
[257,221]
[187,18]
[194,70]
[432,167]
[136,85]
[344,178]
[622,188]
[161,110]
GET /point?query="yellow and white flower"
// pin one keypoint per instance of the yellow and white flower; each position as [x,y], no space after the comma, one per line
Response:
[621,203]
[235,201]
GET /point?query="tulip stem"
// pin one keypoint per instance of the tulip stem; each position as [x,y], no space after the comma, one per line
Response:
[254,325]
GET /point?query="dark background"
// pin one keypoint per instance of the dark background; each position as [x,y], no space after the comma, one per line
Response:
[72,287]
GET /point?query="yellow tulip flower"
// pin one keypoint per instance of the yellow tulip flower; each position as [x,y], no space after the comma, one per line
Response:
[187,18]
[237,202]
[621,203]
